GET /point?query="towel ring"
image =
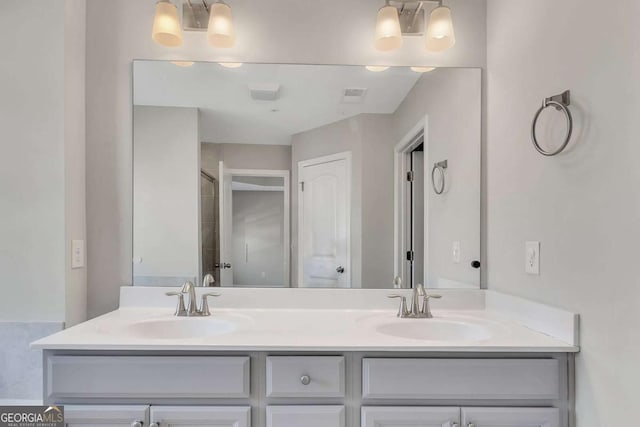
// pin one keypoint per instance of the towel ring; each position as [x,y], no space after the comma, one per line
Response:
[561,103]
[440,166]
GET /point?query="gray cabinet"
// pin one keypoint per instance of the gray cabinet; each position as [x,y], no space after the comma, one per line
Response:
[183,416]
[392,416]
[309,389]
[106,415]
[305,416]
[510,417]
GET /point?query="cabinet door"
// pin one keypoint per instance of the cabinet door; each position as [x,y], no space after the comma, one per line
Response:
[410,416]
[510,417]
[106,416]
[305,416]
[184,416]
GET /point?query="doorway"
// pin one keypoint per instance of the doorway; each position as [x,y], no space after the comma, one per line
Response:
[254,228]
[411,214]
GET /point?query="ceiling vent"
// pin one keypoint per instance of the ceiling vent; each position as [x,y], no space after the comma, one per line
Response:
[265,92]
[353,95]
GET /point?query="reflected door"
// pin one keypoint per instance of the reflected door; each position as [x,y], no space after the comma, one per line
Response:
[323,222]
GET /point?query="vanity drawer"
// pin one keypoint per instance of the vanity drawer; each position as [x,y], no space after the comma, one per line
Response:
[131,377]
[305,376]
[507,379]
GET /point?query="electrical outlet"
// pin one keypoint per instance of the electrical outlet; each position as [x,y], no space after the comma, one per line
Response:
[455,252]
[532,258]
[77,253]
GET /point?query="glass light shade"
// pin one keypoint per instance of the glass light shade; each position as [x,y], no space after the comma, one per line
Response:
[376,68]
[221,32]
[422,69]
[166,25]
[230,64]
[440,35]
[388,32]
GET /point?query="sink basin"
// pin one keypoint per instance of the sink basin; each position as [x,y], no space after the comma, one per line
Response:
[434,330]
[180,328]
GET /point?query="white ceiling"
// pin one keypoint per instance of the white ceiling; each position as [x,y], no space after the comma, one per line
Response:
[310,96]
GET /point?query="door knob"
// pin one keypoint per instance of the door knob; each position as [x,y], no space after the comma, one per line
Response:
[223,265]
[340,269]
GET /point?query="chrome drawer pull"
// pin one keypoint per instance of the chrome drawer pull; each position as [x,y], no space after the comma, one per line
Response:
[305,379]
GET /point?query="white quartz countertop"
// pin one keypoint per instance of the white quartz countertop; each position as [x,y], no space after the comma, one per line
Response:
[317,330]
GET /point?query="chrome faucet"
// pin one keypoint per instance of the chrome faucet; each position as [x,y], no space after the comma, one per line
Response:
[415,310]
[192,309]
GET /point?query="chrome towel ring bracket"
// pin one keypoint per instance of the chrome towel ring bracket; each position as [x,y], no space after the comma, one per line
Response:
[440,167]
[561,103]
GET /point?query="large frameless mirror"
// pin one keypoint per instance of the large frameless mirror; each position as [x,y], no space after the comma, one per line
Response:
[271,175]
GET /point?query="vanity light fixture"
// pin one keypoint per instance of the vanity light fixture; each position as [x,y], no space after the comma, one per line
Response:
[440,34]
[221,31]
[388,31]
[215,19]
[166,25]
[376,68]
[230,64]
[422,69]
[399,18]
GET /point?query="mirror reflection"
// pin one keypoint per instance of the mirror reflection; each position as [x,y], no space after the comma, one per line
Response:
[270,175]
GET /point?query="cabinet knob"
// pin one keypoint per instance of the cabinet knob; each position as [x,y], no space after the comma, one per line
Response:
[136,424]
[305,379]
[455,425]
[154,425]
[471,425]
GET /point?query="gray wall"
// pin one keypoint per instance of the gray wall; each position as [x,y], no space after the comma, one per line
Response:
[166,184]
[42,181]
[244,156]
[452,100]
[118,32]
[584,205]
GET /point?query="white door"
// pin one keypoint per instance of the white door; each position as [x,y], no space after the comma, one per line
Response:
[510,417]
[106,415]
[225,202]
[305,416]
[324,208]
[389,416]
[187,416]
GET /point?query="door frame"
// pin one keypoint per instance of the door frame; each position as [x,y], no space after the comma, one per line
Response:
[400,168]
[285,174]
[346,156]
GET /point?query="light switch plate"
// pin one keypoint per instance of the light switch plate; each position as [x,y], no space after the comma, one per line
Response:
[532,258]
[455,252]
[77,253]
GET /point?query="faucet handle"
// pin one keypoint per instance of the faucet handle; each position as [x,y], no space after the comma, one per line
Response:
[180,309]
[204,311]
[426,309]
[402,310]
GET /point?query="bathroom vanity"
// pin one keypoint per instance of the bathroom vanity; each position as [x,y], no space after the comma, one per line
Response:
[316,359]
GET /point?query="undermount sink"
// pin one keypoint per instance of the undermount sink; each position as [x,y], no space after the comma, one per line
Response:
[180,328]
[434,330]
